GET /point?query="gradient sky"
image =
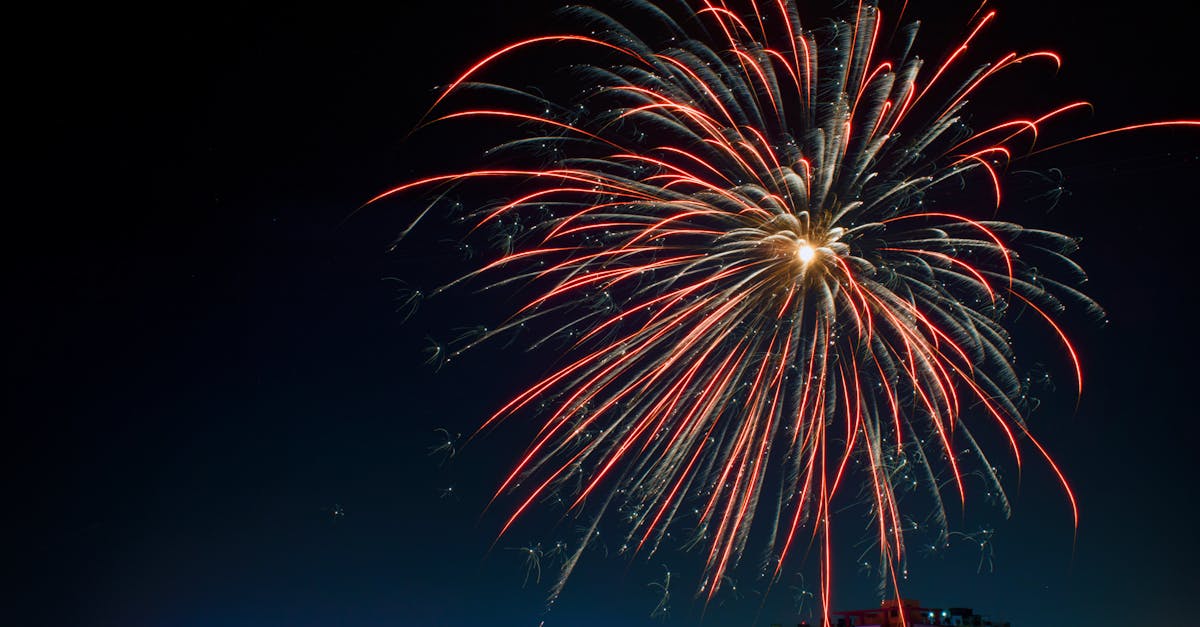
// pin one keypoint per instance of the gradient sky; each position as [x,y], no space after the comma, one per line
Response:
[206,357]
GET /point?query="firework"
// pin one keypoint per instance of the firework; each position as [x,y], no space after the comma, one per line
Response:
[770,253]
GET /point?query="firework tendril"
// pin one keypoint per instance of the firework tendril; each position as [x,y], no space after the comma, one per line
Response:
[733,230]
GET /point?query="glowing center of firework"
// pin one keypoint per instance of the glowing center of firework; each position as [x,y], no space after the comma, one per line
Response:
[806,253]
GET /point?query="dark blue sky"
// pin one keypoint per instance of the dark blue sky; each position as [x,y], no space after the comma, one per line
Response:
[206,357]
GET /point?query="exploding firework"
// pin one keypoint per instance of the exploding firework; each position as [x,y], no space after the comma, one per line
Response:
[770,255]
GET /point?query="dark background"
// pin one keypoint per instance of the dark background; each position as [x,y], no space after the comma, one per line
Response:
[205,357]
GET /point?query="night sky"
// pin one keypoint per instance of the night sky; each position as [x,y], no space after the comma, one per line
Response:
[206,357]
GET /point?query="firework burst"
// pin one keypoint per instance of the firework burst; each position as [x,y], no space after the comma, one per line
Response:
[771,255]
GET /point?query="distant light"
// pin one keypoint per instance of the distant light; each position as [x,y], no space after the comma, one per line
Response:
[806,253]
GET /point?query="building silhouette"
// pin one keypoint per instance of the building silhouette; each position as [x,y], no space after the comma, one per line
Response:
[909,613]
